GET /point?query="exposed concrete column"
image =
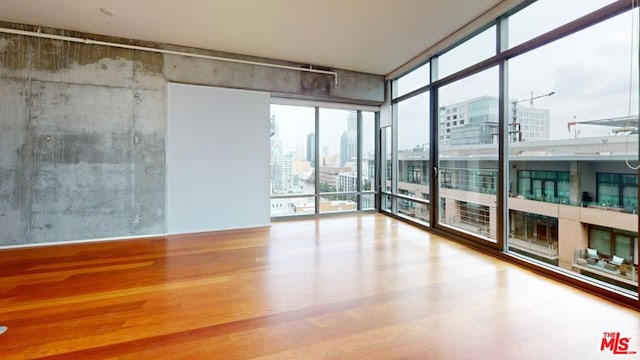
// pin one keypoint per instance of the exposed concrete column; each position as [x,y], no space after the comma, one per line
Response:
[575,191]
[572,235]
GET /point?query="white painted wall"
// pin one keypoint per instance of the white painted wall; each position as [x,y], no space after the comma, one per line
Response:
[218,153]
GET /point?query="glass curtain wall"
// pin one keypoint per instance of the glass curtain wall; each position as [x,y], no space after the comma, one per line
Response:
[337,175]
[536,139]
[575,110]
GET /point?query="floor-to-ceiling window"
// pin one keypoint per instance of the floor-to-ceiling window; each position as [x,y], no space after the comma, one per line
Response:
[468,154]
[408,145]
[386,168]
[571,102]
[292,160]
[368,160]
[337,170]
[413,157]
[322,160]
[534,119]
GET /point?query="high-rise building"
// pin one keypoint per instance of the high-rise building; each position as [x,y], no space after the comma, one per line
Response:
[475,121]
[282,174]
[352,121]
[311,149]
[349,140]
[347,182]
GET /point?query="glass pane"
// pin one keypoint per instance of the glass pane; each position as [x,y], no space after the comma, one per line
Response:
[571,124]
[608,194]
[567,97]
[613,261]
[386,167]
[630,199]
[292,150]
[472,51]
[623,246]
[368,201]
[413,80]
[545,15]
[535,236]
[387,203]
[413,210]
[617,191]
[338,203]
[368,151]
[469,154]
[292,206]
[413,148]
[600,239]
[338,150]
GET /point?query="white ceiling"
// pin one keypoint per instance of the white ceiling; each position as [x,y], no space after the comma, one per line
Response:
[373,36]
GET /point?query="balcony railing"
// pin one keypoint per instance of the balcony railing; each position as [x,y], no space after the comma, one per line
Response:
[629,209]
[547,250]
[485,181]
[476,180]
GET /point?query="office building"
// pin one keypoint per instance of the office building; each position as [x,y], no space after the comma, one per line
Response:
[475,121]
[349,140]
[311,149]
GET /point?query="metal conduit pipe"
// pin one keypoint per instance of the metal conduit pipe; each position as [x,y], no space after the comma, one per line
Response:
[163,51]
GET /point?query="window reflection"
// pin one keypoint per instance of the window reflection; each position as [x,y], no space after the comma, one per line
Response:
[573,174]
[413,156]
[468,154]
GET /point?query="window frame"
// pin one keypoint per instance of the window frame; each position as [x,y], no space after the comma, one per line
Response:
[503,54]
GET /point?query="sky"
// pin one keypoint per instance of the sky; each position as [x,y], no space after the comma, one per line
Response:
[296,122]
[589,73]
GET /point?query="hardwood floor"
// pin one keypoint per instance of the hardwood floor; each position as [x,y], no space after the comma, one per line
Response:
[355,287]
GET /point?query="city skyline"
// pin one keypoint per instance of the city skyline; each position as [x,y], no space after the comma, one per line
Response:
[333,123]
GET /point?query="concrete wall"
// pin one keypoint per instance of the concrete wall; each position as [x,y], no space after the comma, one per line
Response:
[83,131]
[81,142]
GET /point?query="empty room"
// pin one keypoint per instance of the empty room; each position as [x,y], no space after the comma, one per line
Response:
[333,179]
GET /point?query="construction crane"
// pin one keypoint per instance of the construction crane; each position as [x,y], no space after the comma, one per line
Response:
[620,125]
[516,129]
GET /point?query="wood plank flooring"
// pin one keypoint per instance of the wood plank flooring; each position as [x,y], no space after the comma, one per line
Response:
[352,287]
